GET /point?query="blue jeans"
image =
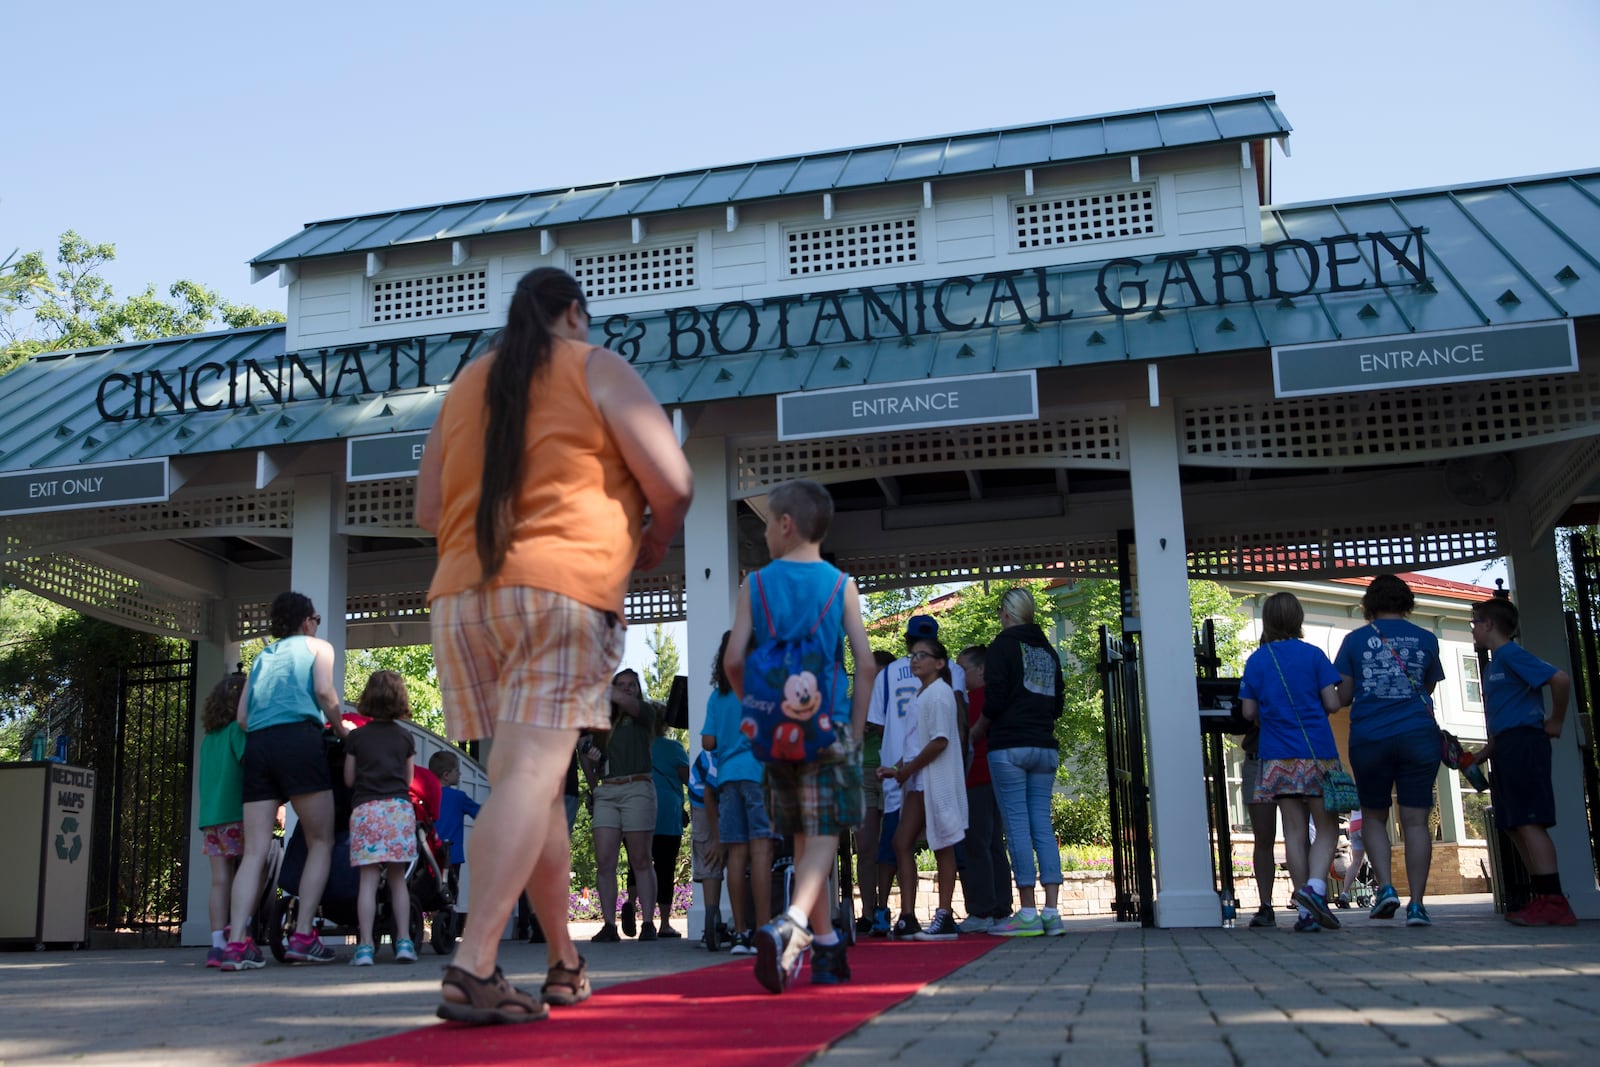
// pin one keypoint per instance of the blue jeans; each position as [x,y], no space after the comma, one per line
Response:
[1024,779]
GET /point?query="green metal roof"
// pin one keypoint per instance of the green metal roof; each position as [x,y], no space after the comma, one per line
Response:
[1228,120]
[1506,252]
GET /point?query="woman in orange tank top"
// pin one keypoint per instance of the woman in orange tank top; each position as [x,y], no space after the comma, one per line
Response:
[535,480]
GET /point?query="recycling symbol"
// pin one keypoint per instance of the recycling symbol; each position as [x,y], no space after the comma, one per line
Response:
[69,852]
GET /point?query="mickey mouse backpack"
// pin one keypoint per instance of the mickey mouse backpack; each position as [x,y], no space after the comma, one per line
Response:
[792,685]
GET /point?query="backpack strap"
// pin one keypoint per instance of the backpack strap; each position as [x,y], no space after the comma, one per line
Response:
[829,604]
[772,631]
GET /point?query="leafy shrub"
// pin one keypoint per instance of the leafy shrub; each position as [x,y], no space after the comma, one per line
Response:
[1081,820]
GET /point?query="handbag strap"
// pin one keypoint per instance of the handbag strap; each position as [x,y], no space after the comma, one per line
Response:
[1298,721]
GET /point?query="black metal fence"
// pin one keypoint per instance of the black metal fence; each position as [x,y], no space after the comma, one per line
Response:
[1131,857]
[1583,640]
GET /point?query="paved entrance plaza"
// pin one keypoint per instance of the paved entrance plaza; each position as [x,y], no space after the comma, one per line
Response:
[1472,990]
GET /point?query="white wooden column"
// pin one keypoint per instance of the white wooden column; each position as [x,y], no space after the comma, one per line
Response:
[214,660]
[1535,582]
[711,578]
[1185,896]
[320,567]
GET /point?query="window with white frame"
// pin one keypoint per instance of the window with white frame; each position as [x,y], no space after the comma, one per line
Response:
[1471,683]
[1048,222]
[634,271]
[842,246]
[430,296]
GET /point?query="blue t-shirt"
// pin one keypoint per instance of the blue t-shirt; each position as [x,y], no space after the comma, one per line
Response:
[454,807]
[735,761]
[1283,712]
[1511,688]
[1389,701]
[702,776]
[281,689]
[666,756]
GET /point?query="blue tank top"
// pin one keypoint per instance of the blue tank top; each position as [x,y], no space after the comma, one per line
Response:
[795,596]
[281,689]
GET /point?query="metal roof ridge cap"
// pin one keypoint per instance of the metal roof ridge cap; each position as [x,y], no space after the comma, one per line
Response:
[151,343]
[1436,190]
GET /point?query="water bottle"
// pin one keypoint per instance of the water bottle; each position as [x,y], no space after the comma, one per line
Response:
[1230,911]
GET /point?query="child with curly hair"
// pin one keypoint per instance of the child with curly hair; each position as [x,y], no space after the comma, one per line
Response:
[221,802]
[378,763]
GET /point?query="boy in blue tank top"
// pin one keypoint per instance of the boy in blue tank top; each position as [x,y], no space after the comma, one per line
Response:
[814,800]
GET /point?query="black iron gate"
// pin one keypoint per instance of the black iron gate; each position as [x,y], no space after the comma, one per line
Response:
[1131,856]
[140,885]
[1583,640]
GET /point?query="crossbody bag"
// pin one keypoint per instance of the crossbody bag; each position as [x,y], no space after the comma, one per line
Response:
[1338,788]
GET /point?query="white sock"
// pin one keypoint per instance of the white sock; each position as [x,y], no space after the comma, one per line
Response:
[1028,914]
[1305,912]
[219,939]
[1317,886]
[799,918]
[1050,913]
[829,938]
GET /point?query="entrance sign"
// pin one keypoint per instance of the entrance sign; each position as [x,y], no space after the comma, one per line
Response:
[925,403]
[390,455]
[98,485]
[1396,361]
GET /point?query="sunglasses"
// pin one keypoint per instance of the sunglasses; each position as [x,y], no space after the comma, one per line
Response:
[921,654]
[317,619]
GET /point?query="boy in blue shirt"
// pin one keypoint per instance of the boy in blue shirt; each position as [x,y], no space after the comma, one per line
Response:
[1520,735]
[814,800]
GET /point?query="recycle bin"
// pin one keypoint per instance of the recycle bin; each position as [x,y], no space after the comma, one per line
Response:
[1509,879]
[45,838]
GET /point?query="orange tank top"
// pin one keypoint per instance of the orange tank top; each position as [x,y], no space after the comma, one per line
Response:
[579,512]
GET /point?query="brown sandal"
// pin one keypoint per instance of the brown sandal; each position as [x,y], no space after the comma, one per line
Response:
[487,1000]
[566,986]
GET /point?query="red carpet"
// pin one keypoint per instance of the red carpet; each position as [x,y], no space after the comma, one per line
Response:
[714,1017]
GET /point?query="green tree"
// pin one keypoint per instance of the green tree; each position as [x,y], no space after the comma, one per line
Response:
[884,614]
[664,668]
[68,304]
[414,663]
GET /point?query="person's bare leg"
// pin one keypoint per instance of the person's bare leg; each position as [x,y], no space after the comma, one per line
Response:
[367,905]
[607,851]
[813,864]
[399,903]
[527,765]
[642,863]
[761,880]
[221,897]
[258,818]
[737,867]
[1538,851]
[1296,839]
[946,859]
[547,888]
[905,849]
[1354,872]
[867,859]
[1327,841]
[315,812]
[1264,835]
[1419,848]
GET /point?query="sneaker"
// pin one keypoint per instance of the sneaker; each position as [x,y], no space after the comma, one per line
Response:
[828,964]
[1317,905]
[630,925]
[905,928]
[647,932]
[973,924]
[880,922]
[405,951]
[215,956]
[780,948]
[1308,925]
[1417,915]
[1017,926]
[1385,904]
[669,931]
[1544,911]
[1051,925]
[742,946]
[308,948]
[608,932]
[242,956]
[863,926]
[942,928]
[364,957]
[1342,901]
[1263,917]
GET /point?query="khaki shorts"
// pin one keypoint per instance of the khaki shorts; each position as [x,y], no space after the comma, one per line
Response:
[707,853]
[871,789]
[626,806]
[529,656]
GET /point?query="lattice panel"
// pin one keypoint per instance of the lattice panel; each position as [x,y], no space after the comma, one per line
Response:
[269,510]
[251,621]
[1367,549]
[406,605]
[1556,483]
[1088,440]
[1090,217]
[388,504]
[1440,420]
[657,269]
[1073,560]
[430,297]
[656,598]
[850,246]
[97,590]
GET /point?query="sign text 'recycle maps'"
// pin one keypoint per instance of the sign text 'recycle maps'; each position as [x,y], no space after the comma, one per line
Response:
[1123,286]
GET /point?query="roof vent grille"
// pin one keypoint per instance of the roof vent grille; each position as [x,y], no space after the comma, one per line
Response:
[1053,221]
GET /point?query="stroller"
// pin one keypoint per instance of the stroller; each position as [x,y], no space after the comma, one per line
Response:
[277,916]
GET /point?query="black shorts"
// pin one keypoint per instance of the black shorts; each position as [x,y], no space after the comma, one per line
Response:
[285,761]
[1520,786]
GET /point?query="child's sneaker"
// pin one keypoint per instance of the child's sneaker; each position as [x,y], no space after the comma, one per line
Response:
[364,957]
[905,928]
[975,924]
[405,951]
[942,928]
[1544,911]
[1343,900]
[741,946]
[1417,915]
[863,926]
[215,956]
[1051,924]
[880,922]
[242,956]
[1307,925]
[828,964]
[1017,926]
[780,948]
[647,932]
[1263,917]
[308,948]
[1385,904]
[1317,905]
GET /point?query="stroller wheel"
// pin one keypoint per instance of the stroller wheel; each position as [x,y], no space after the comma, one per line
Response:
[281,917]
[443,937]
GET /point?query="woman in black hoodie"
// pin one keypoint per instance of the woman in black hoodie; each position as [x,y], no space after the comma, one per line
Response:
[1023,699]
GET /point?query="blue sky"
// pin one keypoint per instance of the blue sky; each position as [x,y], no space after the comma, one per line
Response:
[196,135]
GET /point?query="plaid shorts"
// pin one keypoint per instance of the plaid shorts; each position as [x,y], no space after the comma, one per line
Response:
[223,839]
[529,656]
[816,799]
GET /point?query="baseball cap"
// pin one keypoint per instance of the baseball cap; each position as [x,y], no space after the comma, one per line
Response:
[919,626]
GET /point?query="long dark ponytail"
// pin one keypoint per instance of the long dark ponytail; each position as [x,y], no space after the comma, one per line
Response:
[542,297]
